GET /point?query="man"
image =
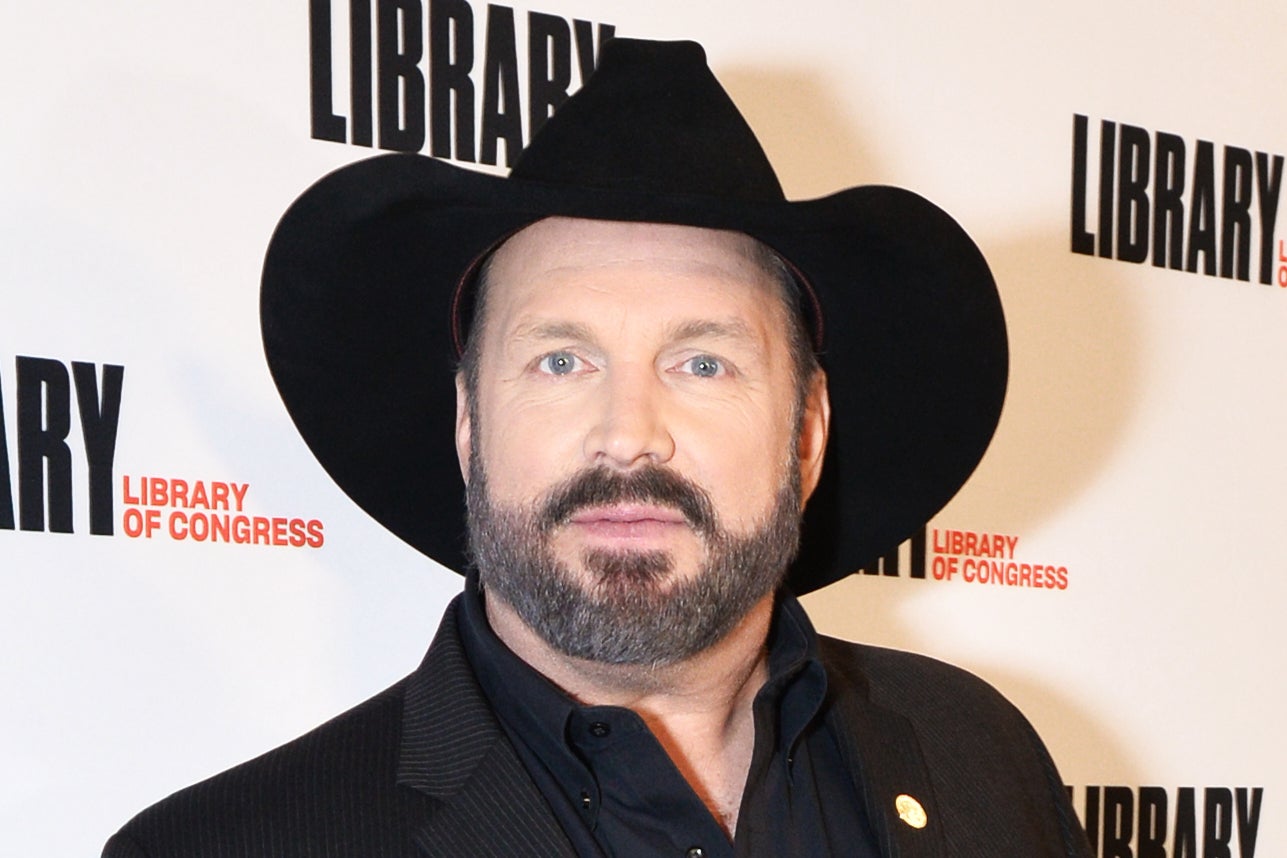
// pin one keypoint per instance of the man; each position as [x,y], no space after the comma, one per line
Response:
[661,364]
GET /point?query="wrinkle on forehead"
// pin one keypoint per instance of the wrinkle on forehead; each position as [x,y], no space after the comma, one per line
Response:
[559,245]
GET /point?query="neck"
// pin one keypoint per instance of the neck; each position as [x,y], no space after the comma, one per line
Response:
[699,708]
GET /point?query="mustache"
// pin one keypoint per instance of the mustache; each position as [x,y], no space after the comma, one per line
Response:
[603,487]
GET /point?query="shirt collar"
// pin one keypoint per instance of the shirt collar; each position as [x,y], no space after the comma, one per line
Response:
[797,683]
[531,708]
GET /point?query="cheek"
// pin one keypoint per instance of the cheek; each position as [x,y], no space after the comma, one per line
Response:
[741,458]
[525,450]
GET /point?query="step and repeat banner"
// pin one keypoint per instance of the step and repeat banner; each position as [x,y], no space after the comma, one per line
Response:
[182,588]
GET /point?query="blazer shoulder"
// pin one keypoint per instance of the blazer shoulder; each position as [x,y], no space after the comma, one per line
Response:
[915,685]
[334,783]
[987,763]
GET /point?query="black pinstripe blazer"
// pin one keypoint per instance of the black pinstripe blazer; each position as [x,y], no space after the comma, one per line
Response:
[424,769]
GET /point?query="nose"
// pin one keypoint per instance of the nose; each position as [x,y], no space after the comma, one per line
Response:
[630,429]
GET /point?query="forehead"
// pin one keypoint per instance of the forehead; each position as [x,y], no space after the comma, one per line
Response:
[635,261]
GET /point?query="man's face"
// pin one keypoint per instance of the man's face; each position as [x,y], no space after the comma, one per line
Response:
[635,457]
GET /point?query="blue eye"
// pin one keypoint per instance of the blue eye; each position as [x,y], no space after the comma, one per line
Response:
[558,363]
[704,366]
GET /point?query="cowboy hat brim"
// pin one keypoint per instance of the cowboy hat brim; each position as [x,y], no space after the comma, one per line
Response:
[362,273]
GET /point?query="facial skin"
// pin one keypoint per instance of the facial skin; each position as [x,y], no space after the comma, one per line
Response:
[635,456]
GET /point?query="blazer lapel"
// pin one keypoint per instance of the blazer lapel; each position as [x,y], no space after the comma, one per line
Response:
[889,768]
[454,750]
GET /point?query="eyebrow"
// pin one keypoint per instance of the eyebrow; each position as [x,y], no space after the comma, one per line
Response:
[731,329]
[694,329]
[554,330]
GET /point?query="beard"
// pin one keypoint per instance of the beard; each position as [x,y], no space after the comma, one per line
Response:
[632,612]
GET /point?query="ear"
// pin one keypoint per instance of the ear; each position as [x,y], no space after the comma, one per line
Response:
[464,427]
[815,426]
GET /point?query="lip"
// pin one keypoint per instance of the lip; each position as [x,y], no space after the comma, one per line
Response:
[626,513]
[628,522]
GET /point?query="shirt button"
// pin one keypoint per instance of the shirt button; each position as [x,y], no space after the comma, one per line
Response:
[599,729]
[695,852]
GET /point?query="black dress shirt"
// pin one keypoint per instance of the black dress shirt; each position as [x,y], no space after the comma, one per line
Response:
[616,792]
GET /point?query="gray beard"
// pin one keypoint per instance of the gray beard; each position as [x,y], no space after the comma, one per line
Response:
[632,614]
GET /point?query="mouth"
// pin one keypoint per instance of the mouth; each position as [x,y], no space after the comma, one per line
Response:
[632,524]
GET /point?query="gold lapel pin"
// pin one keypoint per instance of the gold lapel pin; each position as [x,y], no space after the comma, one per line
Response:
[910,811]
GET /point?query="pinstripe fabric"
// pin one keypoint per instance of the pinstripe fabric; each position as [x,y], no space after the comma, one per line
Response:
[328,794]
[454,749]
[423,769]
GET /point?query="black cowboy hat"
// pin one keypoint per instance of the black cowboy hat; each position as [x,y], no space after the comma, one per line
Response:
[366,282]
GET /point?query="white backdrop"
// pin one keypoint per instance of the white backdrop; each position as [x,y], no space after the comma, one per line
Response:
[148,149]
